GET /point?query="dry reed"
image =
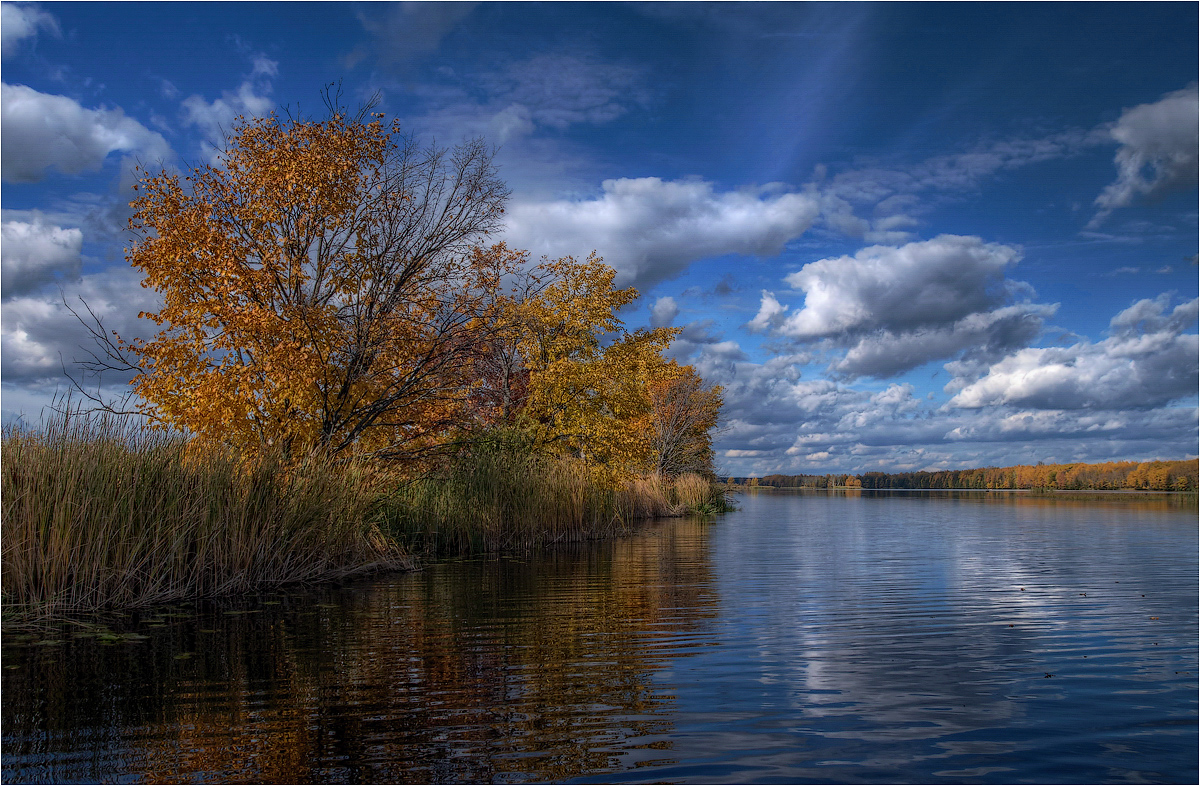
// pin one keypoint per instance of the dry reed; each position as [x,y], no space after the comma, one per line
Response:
[503,496]
[100,513]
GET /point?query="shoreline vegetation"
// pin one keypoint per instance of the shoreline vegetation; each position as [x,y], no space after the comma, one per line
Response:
[347,376]
[1158,476]
[100,513]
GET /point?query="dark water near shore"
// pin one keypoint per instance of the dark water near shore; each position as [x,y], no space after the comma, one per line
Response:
[807,637]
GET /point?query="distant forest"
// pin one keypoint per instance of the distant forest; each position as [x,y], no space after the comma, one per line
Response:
[1130,475]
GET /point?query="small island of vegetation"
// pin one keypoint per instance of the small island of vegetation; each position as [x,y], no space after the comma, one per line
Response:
[347,377]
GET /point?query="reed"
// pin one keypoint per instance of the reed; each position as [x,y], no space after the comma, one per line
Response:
[503,495]
[98,513]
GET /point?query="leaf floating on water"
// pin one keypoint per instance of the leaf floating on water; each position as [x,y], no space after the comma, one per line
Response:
[49,642]
[184,656]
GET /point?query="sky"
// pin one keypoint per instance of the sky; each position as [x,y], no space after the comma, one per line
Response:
[901,236]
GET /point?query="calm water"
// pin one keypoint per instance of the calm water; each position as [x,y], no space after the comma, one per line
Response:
[829,638]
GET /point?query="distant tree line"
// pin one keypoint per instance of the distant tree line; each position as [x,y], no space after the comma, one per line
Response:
[1113,475]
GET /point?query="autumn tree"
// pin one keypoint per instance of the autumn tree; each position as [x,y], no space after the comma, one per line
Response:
[567,371]
[319,286]
[684,412]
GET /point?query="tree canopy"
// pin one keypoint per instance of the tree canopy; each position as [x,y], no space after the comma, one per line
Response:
[328,284]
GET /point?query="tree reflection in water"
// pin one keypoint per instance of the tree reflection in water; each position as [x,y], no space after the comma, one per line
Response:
[489,670]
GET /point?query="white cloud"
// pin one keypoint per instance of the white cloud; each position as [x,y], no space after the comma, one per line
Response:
[650,229]
[776,420]
[923,284]
[1147,362]
[779,421]
[770,314]
[21,21]
[36,253]
[42,131]
[251,99]
[1158,150]
[663,312]
[983,336]
[38,334]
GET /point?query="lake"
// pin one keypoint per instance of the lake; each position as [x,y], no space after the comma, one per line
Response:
[949,637]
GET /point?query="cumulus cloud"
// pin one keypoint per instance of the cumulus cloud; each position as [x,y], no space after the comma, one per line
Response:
[982,338]
[42,131]
[770,314]
[1147,361]
[36,253]
[897,307]
[38,335]
[651,229]
[922,284]
[699,342]
[777,421]
[1158,151]
[663,312]
[1129,400]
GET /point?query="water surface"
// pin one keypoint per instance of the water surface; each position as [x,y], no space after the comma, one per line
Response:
[868,637]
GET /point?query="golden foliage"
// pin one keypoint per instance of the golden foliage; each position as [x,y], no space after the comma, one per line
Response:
[315,286]
[324,286]
[595,389]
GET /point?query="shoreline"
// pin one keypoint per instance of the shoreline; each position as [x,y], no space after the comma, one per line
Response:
[742,488]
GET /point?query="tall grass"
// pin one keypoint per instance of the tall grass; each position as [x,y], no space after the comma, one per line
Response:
[99,513]
[503,495]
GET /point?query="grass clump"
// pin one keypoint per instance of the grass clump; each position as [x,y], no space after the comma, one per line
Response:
[98,512]
[503,495]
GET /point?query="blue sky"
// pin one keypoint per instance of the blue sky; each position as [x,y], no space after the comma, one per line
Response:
[902,236]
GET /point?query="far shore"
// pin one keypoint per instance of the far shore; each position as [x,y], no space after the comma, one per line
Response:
[739,487]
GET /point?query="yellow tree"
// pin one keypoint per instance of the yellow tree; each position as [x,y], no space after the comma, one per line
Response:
[574,378]
[319,286]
